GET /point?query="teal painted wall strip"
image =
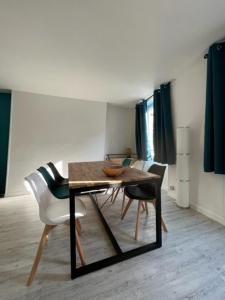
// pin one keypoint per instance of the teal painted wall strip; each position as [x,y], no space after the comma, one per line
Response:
[5,109]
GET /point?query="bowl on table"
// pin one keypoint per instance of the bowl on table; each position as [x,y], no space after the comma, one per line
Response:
[113,171]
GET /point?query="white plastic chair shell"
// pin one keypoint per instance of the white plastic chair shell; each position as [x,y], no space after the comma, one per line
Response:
[52,211]
[138,164]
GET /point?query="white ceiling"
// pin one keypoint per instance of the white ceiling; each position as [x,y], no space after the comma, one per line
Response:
[105,50]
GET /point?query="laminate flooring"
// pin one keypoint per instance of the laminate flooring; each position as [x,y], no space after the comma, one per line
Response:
[190,264]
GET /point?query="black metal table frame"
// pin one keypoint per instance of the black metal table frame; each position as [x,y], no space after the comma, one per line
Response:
[120,255]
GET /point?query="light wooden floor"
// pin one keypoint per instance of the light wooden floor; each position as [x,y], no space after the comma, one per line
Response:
[190,265]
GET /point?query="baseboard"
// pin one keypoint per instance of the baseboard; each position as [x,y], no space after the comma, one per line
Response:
[208,213]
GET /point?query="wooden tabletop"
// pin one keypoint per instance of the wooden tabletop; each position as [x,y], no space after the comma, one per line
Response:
[86,175]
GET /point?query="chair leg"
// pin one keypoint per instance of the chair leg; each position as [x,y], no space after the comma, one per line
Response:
[164,227]
[146,207]
[143,206]
[78,226]
[112,195]
[44,237]
[138,220]
[123,204]
[80,249]
[117,192]
[126,208]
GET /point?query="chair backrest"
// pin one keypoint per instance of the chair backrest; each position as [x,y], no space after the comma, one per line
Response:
[138,164]
[126,162]
[42,195]
[55,172]
[158,170]
[52,184]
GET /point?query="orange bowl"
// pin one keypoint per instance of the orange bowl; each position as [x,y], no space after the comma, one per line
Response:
[113,171]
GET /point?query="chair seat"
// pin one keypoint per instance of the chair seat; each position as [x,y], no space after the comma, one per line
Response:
[59,212]
[61,192]
[64,181]
[140,192]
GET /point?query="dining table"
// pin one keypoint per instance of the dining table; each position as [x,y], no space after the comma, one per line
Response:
[88,178]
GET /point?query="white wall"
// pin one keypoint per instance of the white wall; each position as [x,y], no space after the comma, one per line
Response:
[120,131]
[207,190]
[45,128]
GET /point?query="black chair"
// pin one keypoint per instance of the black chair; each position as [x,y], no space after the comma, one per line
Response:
[115,191]
[58,178]
[60,191]
[144,193]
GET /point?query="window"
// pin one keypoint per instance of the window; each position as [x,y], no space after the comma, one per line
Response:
[150,117]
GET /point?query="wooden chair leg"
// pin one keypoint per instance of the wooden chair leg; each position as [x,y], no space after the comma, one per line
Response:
[146,207]
[143,206]
[80,249]
[117,192]
[164,227]
[78,222]
[78,226]
[123,204]
[138,220]
[126,208]
[44,237]
[112,195]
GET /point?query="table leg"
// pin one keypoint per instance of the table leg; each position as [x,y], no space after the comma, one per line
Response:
[72,235]
[120,255]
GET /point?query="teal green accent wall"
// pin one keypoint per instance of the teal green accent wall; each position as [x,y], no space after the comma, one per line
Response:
[5,108]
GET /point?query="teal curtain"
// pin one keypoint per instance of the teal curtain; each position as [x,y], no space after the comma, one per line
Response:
[214,146]
[5,108]
[163,136]
[141,131]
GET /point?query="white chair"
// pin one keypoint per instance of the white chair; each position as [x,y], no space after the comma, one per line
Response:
[138,164]
[52,212]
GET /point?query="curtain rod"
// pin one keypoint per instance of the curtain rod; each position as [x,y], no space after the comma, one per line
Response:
[153,94]
[220,41]
[149,97]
